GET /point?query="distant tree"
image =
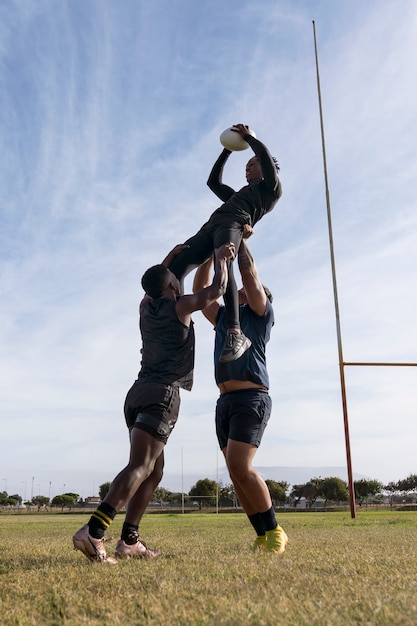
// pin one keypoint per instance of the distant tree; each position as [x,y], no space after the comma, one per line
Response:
[103,490]
[72,495]
[161,495]
[413,481]
[407,484]
[204,491]
[277,490]
[365,489]
[57,501]
[310,491]
[297,492]
[40,501]
[334,489]
[392,489]
[6,500]
[227,495]
[175,498]
[65,500]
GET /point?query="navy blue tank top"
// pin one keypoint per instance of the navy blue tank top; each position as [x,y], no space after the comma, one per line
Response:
[252,364]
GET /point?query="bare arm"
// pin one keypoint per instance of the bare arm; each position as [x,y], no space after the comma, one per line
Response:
[255,292]
[204,297]
[202,280]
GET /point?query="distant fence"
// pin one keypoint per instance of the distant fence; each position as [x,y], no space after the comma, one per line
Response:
[194,508]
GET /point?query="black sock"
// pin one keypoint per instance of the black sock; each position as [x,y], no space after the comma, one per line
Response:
[269,519]
[258,523]
[101,520]
[130,534]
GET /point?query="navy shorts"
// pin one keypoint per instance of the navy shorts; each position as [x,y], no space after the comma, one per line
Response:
[152,407]
[242,416]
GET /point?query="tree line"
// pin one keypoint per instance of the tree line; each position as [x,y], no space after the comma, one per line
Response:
[208,492]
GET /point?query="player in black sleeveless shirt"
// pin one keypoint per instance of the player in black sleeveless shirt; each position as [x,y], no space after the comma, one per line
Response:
[152,404]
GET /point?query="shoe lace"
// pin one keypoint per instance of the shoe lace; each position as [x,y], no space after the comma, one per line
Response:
[230,339]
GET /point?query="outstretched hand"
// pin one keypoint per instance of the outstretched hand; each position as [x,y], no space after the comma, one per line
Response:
[242,129]
[247,231]
[226,251]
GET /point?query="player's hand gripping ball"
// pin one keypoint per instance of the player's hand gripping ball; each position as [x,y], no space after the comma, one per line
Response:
[231,140]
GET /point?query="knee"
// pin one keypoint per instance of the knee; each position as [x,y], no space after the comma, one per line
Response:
[157,475]
[158,471]
[238,471]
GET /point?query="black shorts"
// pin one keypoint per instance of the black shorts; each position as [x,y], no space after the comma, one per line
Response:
[242,416]
[152,407]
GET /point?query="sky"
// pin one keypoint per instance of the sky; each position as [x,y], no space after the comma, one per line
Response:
[110,117]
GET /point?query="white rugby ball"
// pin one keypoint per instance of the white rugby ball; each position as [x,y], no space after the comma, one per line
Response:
[231,140]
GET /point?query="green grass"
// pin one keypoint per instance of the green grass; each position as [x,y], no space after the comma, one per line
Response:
[336,571]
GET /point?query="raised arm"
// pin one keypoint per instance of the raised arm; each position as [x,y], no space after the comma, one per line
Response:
[202,280]
[215,180]
[269,169]
[255,293]
[204,297]
[268,164]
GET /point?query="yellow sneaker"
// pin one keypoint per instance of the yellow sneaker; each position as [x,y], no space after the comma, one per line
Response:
[259,543]
[276,540]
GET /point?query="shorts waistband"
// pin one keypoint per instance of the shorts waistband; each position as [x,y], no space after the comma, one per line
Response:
[249,389]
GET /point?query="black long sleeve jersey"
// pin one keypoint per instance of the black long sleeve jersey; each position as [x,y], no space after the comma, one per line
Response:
[251,202]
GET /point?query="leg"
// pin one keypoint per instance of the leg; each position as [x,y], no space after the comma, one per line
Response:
[146,461]
[230,233]
[231,301]
[254,497]
[138,503]
[200,249]
[246,414]
[250,487]
[144,452]
[236,342]
[129,545]
[162,403]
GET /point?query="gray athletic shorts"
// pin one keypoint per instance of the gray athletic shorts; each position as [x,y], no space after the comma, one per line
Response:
[152,407]
[242,416]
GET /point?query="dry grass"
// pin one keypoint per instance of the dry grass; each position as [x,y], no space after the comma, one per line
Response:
[336,571]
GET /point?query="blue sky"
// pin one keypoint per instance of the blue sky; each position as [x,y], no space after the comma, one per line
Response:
[110,119]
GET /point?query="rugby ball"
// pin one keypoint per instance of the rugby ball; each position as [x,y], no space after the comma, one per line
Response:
[231,140]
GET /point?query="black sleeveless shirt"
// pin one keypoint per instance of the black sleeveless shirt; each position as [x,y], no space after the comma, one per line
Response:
[168,346]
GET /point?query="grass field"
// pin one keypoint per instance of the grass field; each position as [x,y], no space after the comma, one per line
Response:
[336,571]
